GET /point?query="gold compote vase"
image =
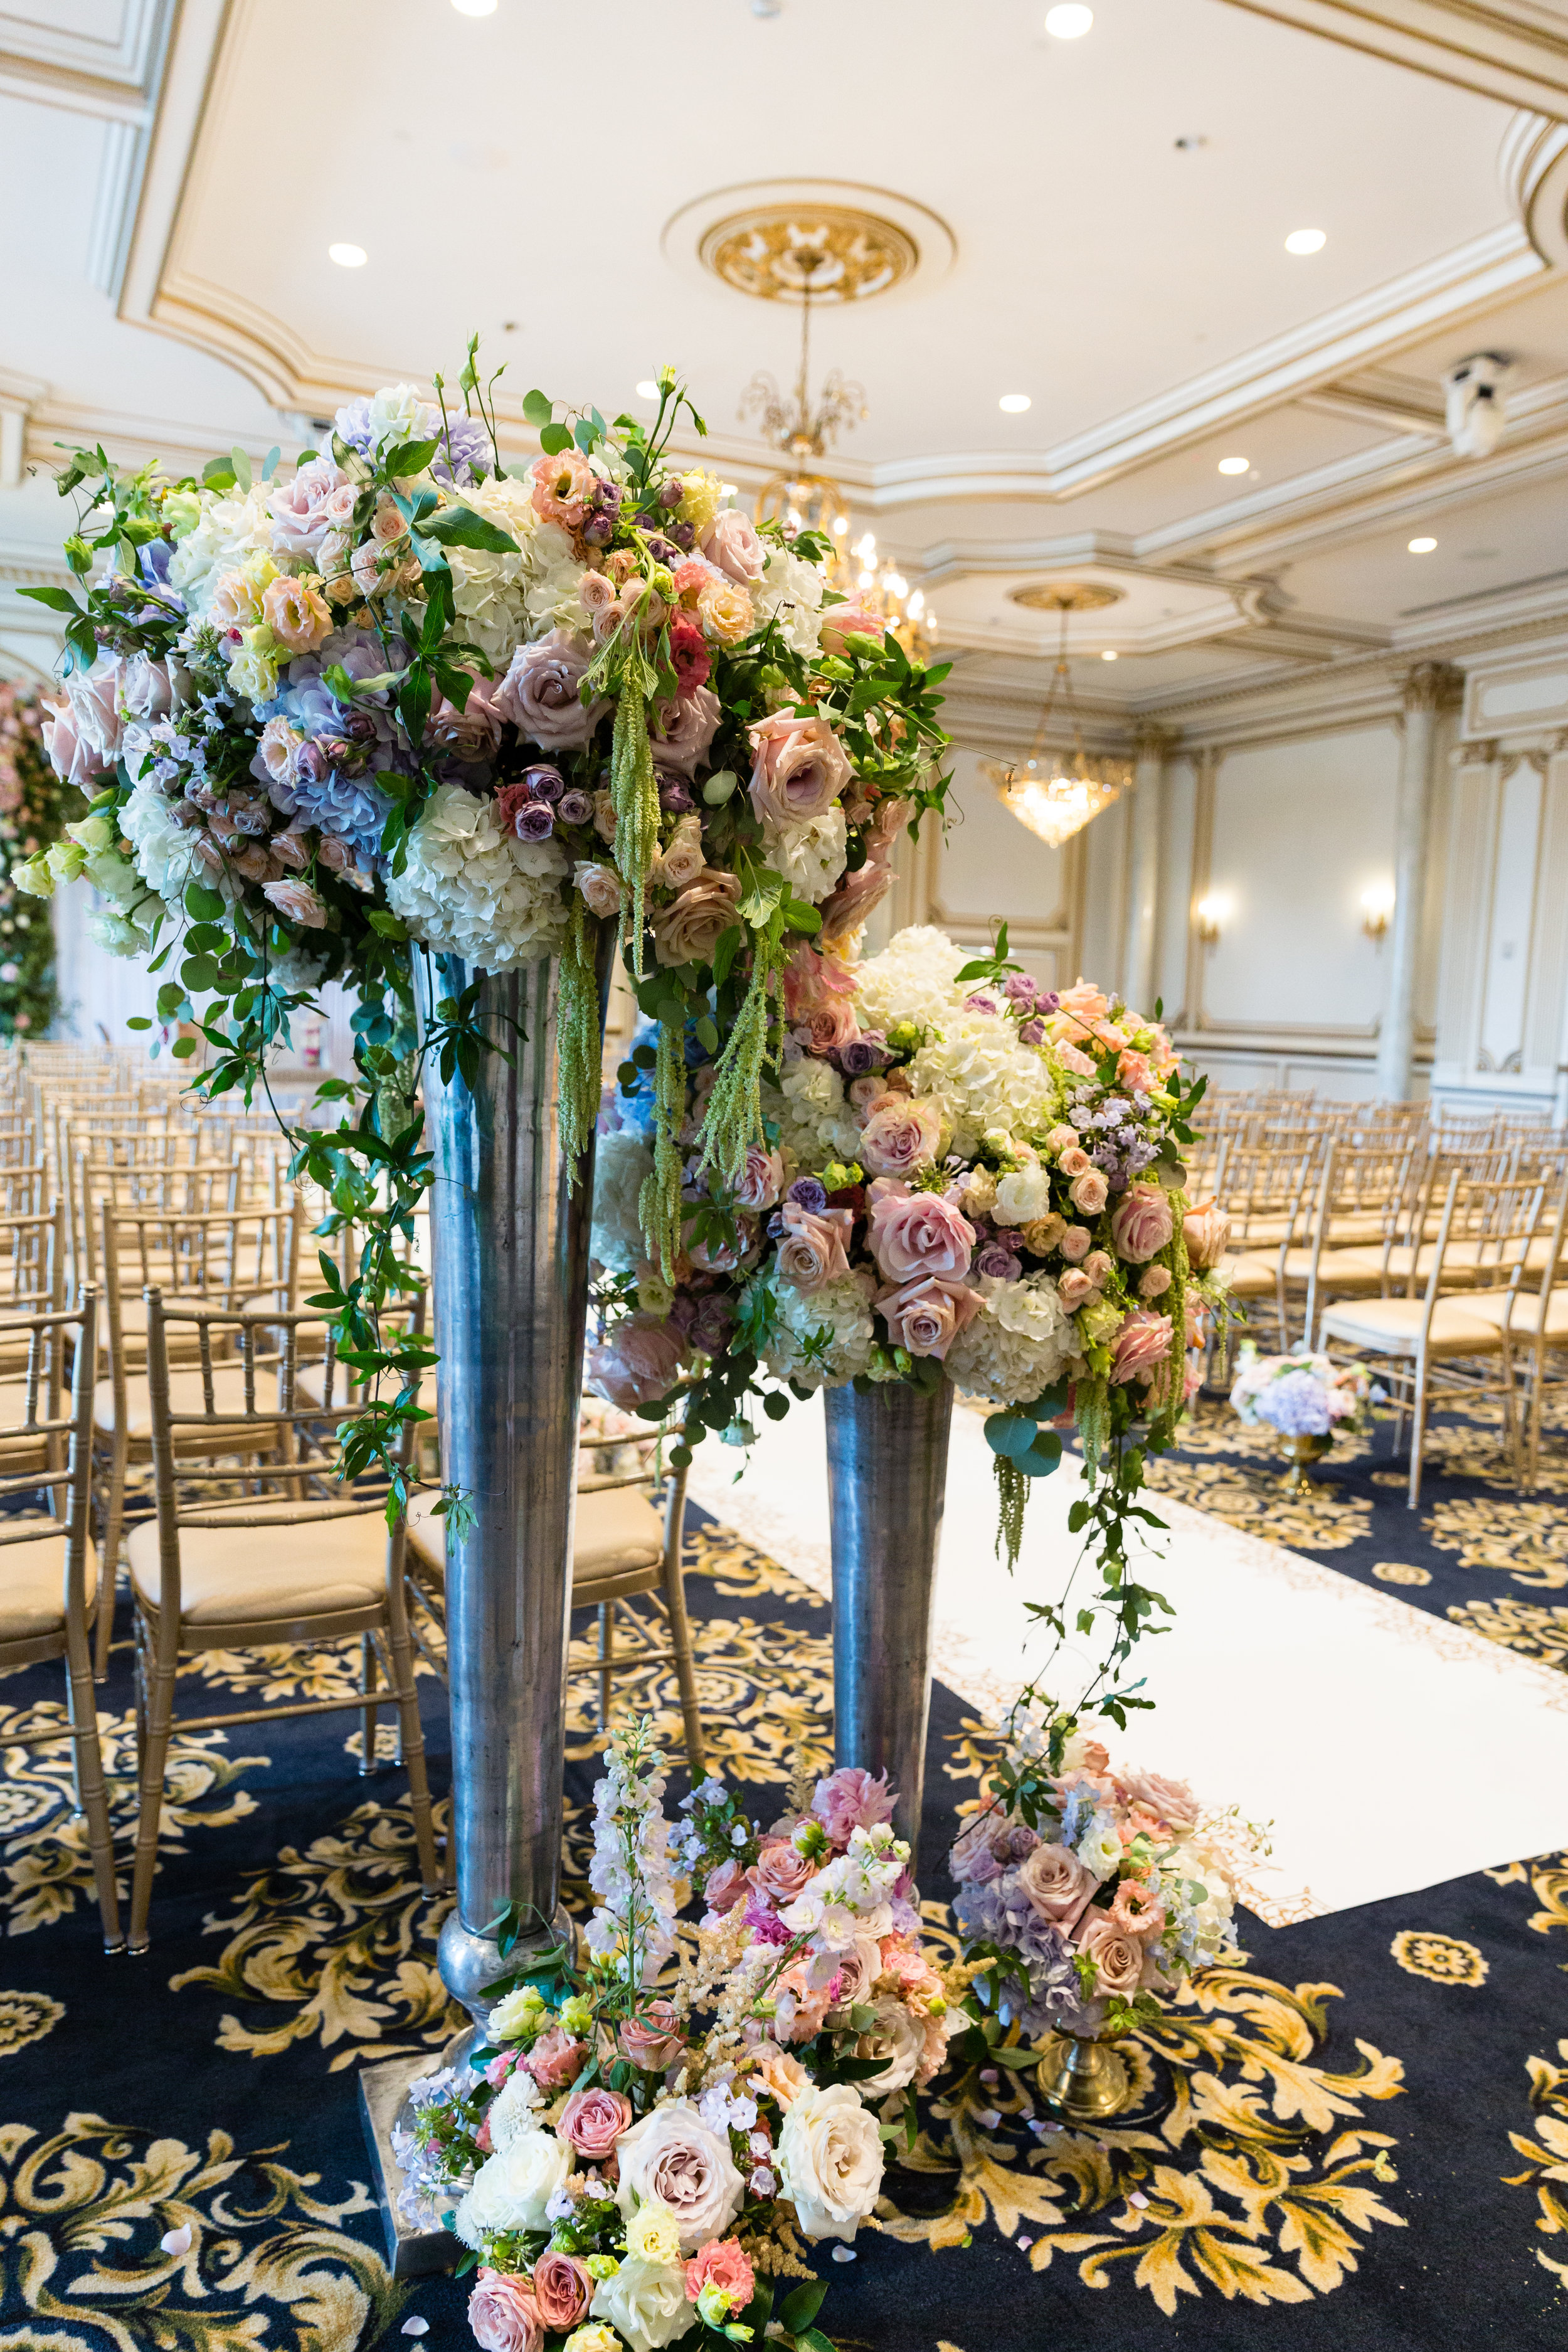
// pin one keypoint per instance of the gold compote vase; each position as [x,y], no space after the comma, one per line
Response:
[1301,1453]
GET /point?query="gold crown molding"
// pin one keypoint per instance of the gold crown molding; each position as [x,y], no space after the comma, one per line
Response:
[1065,595]
[1497,49]
[874,240]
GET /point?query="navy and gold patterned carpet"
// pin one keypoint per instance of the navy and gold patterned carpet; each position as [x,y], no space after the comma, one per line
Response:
[1357,2138]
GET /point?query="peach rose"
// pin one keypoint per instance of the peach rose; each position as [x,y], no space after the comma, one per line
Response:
[1116,1955]
[814,1249]
[725,611]
[1172,1801]
[1074,1161]
[799,768]
[1057,1885]
[1205,1229]
[689,928]
[1075,1287]
[926,1314]
[1074,1244]
[781,2078]
[1154,1282]
[1088,1193]
[1086,1002]
[1142,1223]
[297,903]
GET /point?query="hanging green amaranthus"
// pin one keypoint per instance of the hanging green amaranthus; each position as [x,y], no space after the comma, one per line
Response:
[734,1120]
[658,1202]
[579,1042]
[634,792]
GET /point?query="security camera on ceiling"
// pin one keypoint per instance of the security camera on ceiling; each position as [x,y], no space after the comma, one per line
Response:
[1476,409]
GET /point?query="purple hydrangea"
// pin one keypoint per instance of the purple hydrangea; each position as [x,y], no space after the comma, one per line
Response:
[1297,1405]
[466,454]
[1001,1913]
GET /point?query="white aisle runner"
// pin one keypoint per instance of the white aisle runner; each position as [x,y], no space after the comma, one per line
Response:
[1389,1749]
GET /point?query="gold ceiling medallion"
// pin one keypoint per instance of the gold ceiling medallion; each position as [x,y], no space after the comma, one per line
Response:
[1055,796]
[809,253]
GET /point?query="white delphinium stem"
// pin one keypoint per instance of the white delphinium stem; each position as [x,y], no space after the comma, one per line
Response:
[633,1928]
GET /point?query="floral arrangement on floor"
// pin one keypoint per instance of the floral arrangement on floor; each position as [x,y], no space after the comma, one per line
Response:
[1088,1889]
[647,2146]
[1301,1395]
[404,701]
[964,1177]
[34,807]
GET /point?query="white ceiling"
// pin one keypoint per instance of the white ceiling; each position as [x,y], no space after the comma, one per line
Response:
[171,178]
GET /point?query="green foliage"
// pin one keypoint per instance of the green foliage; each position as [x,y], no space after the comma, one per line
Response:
[35,809]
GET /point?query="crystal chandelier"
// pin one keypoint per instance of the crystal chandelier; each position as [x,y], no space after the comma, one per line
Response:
[1054,796]
[807,498]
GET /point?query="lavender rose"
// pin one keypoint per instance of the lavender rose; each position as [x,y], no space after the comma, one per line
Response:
[680,731]
[1141,1225]
[917,1232]
[539,693]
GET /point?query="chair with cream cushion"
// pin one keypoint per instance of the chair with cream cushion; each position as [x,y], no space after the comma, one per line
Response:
[1437,1342]
[622,1547]
[1534,1313]
[289,1554]
[48,1584]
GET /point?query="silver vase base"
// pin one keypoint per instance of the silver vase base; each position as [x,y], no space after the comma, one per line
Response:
[417,2240]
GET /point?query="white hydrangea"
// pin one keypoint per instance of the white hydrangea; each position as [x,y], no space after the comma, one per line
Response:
[552,582]
[621,1162]
[1021,1342]
[841,1310]
[815,1121]
[983,1079]
[229,530]
[165,852]
[469,889]
[1205,1931]
[490,591]
[810,856]
[792,589]
[911,979]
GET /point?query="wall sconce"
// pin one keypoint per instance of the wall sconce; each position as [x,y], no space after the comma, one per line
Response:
[1212,912]
[1376,909]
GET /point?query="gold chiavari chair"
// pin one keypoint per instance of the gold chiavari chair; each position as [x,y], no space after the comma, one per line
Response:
[291,1555]
[48,1580]
[1532,1314]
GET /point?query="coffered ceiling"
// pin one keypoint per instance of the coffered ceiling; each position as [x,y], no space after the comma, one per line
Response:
[1099,225]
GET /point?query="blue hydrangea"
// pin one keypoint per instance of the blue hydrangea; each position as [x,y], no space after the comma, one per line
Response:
[1001,1913]
[1296,1405]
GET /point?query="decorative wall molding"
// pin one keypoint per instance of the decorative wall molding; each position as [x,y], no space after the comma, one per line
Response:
[1516,50]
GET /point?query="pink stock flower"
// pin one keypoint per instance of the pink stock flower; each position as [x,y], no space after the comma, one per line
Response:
[1142,1223]
[593,2121]
[899,1136]
[799,768]
[1141,1345]
[539,693]
[721,2264]
[503,2316]
[640,1360]
[916,1232]
[563,489]
[1057,1884]
[556,2058]
[730,542]
[842,621]
[851,1799]
[1205,1229]
[926,1314]
[563,2289]
[814,1249]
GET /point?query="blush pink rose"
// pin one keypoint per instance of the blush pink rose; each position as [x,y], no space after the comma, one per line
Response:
[1099,1267]
[94,698]
[69,754]
[725,1885]
[814,1249]
[1205,1229]
[641,1359]
[1077,1063]
[851,1799]
[306,508]
[1074,1244]
[865,886]
[1075,1287]
[1141,1345]
[1142,1223]
[681,731]
[556,2058]
[1154,1282]
[681,859]
[811,979]
[842,621]
[899,1136]
[1057,1885]
[781,1871]
[721,2264]
[297,903]
[1116,1955]
[653,2042]
[761,1181]
[730,542]
[799,768]
[600,887]
[689,928]
[917,1232]
[926,1314]
[503,2316]
[593,2121]
[539,693]
[1074,1161]
[562,2290]
[828,1025]
[473,732]
[1088,1193]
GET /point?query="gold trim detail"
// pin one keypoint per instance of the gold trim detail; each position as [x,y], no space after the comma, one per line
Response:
[1064,596]
[763,251]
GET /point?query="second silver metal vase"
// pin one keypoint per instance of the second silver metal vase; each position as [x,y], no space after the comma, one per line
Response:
[887,1476]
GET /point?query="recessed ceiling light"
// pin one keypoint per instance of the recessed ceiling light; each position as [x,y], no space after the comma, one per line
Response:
[647,389]
[1108,656]
[1070,22]
[1305,240]
[1014,403]
[348,257]
[1422,546]
[475,8]
[1233,464]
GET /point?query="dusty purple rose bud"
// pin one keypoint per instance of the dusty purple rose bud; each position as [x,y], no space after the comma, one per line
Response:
[574,808]
[683,1312]
[998,1263]
[1032,1033]
[312,763]
[675,798]
[535,821]
[599,529]
[684,535]
[1019,987]
[714,1321]
[544,783]
[672,492]
[1048,1000]
[981,1003]
[808,1192]
[859,1058]
[359,727]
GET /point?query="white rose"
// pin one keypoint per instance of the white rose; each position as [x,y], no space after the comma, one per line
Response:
[673,2157]
[1023,1196]
[897,2034]
[512,2189]
[1100,1848]
[514,2110]
[830,2160]
[513,2012]
[810,856]
[646,2301]
[396,414]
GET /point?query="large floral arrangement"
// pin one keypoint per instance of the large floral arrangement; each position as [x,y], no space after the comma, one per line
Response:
[1088,1889]
[1301,1395]
[404,695]
[628,2164]
[964,1176]
[34,807]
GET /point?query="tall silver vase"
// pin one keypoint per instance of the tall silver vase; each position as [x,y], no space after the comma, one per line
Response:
[510,1245]
[887,1474]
